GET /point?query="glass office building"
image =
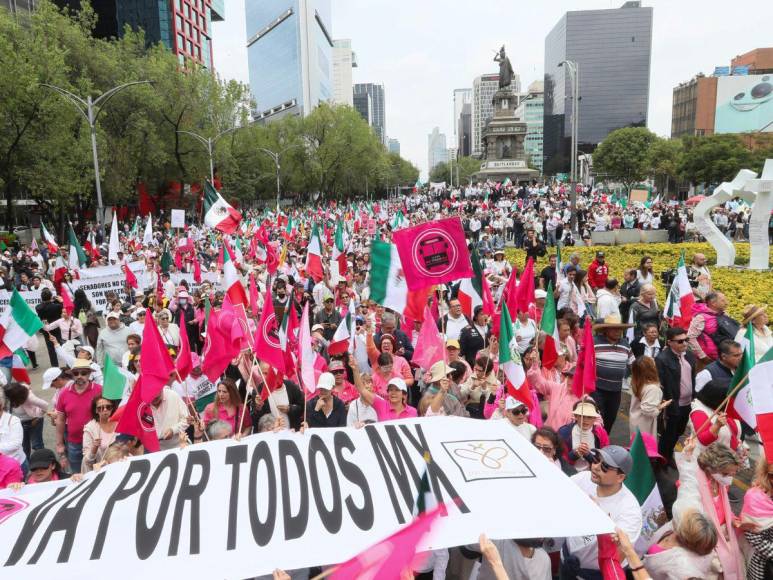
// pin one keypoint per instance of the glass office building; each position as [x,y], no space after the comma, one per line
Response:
[612,49]
[289,51]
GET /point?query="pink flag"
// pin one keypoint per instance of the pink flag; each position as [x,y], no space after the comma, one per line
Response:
[306,354]
[157,365]
[67,302]
[525,292]
[224,335]
[510,292]
[268,347]
[390,557]
[183,362]
[584,382]
[433,253]
[430,348]
[253,295]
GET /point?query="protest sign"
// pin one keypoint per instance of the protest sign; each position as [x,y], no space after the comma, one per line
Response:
[289,500]
[178,218]
[96,282]
[31,297]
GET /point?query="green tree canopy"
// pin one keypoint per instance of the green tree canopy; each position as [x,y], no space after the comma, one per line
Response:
[623,155]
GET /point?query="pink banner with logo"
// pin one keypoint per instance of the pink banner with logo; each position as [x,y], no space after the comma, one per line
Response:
[433,253]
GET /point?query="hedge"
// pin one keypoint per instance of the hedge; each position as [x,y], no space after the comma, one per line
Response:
[741,286]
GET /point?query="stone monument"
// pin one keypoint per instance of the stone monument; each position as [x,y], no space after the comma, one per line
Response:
[503,151]
[756,192]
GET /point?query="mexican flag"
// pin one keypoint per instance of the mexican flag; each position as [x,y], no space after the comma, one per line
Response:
[387,282]
[678,310]
[288,233]
[232,282]
[18,323]
[760,380]
[475,291]
[337,256]
[507,182]
[19,367]
[399,221]
[77,255]
[218,213]
[641,483]
[53,247]
[510,361]
[114,381]
[343,339]
[550,328]
[740,405]
[314,256]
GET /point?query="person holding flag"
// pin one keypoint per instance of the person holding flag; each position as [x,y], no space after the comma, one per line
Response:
[756,317]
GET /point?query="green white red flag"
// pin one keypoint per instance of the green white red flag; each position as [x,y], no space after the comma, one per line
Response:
[475,291]
[218,213]
[641,482]
[387,282]
[680,300]
[77,256]
[314,256]
[232,282]
[18,323]
[343,339]
[549,327]
[53,247]
[510,361]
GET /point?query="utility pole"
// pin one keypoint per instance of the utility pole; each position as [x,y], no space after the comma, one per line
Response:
[90,109]
[276,157]
[209,144]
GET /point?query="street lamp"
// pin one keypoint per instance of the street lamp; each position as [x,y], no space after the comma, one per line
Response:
[276,157]
[90,109]
[574,75]
[209,143]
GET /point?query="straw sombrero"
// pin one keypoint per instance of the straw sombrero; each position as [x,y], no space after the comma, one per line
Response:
[752,311]
[611,321]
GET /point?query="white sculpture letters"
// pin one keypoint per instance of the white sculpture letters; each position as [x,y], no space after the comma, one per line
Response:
[759,194]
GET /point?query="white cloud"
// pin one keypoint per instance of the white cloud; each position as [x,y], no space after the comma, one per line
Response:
[422,50]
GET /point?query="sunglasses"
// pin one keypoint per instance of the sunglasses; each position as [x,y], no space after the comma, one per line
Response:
[679,341]
[605,467]
[518,411]
[545,448]
[81,373]
[338,372]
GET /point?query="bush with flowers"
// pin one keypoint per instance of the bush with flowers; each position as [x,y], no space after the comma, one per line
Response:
[741,286]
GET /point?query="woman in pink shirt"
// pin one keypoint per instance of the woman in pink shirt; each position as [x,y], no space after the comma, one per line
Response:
[227,407]
[400,366]
[394,406]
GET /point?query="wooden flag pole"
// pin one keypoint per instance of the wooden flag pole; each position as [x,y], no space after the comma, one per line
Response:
[723,405]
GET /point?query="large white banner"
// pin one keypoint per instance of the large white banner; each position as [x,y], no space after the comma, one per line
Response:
[230,509]
[97,282]
[31,297]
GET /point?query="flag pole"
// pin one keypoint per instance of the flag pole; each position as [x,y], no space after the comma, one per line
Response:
[190,403]
[723,405]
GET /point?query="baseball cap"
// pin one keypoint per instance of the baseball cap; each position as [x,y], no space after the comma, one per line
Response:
[452,343]
[50,376]
[41,459]
[399,383]
[512,403]
[87,348]
[539,293]
[600,254]
[317,327]
[616,456]
[335,365]
[112,315]
[326,381]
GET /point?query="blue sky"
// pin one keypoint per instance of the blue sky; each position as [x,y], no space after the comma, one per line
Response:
[421,50]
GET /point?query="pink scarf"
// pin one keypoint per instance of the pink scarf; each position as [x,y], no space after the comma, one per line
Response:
[728,551]
[757,508]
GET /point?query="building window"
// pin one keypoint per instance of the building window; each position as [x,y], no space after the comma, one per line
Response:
[180,5]
[180,42]
[179,22]
[190,47]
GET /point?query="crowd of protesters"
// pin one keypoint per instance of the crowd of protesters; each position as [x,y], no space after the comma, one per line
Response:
[678,376]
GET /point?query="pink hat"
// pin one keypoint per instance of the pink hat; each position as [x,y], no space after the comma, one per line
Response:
[651,445]
[195,360]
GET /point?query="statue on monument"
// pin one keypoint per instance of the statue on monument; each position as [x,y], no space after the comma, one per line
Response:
[505,68]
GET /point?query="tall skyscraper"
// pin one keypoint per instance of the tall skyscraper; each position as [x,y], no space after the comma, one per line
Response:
[530,109]
[377,107]
[183,26]
[344,60]
[394,146]
[436,148]
[363,104]
[289,52]
[612,49]
[483,89]
[464,131]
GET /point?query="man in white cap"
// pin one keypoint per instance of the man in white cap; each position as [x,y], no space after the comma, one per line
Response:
[325,410]
[516,413]
[604,484]
[112,340]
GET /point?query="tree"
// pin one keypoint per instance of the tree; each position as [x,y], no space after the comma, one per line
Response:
[715,158]
[463,167]
[663,159]
[623,155]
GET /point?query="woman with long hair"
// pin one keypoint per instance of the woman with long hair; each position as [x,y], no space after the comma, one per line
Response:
[99,433]
[645,274]
[227,407]
[646,396]
[585,294]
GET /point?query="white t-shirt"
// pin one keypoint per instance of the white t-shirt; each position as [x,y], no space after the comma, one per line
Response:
[621,507]
[454,327]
